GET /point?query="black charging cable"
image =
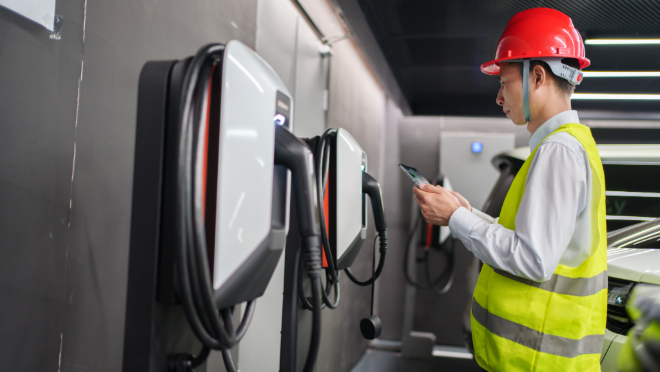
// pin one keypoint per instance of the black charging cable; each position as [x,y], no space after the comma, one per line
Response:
[446,276]
[371,327]
[294,154]
[381,263]
[373,273]
[372,188]
[212,326]
[322,167]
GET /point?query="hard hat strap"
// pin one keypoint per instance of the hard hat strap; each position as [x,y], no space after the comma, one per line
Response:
[526,90]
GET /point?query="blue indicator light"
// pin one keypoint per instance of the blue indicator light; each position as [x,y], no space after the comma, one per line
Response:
[279,119]
[477,147]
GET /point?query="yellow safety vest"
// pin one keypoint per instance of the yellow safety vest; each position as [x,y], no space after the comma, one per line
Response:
[555,326]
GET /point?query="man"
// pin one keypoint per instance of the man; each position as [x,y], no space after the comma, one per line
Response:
[541,299]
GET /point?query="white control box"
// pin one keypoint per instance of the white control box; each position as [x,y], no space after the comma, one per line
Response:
[465,158]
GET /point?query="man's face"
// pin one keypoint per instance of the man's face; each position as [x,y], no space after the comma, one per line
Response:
[510,94]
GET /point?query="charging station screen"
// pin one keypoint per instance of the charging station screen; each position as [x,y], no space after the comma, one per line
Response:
[282,109]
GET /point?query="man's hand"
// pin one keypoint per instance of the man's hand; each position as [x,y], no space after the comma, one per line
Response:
[462,200]
[437,203]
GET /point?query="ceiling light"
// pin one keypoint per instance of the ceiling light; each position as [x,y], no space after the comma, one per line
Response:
[607,96]
[621,41]
[621,73]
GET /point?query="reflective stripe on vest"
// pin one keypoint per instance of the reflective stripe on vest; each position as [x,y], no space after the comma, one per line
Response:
[533,339]
[557,325]
[564,285]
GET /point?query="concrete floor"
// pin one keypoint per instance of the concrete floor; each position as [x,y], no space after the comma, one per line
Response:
[387,361]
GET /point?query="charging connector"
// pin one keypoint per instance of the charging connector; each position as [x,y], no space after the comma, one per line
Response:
[372,188]
[294,154]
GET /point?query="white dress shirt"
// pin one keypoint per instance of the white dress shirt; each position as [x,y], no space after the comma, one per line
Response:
[553,220]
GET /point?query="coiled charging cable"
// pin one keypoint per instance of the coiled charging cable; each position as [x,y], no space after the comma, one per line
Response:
[447,274]
[213,327]
[321,166]
[322,153]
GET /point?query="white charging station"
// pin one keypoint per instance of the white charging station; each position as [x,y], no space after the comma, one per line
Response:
[254,100]
[348,215]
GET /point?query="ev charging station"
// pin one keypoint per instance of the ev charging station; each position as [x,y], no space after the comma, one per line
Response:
[343,185]
[205,238]
[216,172]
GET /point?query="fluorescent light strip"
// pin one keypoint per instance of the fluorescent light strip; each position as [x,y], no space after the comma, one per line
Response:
[621,73]
[605,96]
[633,194]
[621,41]
[632,162]
[628,218]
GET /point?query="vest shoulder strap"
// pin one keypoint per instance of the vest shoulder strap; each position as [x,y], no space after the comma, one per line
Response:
[513,198]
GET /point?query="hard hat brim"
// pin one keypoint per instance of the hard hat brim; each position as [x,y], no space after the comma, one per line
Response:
[493,67]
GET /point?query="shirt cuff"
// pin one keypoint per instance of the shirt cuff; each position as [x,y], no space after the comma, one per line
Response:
[461,223]
[489,220]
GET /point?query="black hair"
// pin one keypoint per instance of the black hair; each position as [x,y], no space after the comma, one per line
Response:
[562,84]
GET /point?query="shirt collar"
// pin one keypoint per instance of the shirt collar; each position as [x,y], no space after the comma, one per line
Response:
[569,116]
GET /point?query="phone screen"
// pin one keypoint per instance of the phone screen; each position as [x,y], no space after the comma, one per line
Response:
[414,175]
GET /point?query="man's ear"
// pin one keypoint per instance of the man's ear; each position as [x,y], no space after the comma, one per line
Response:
[539,76]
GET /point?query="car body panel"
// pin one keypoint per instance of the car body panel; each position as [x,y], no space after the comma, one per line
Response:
[631,263]
[611,347]
[651,277]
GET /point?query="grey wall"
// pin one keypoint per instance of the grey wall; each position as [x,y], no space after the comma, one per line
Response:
[396,187]
[67,114]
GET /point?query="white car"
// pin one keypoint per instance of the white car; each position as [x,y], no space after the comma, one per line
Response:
[633,256]
[632,182]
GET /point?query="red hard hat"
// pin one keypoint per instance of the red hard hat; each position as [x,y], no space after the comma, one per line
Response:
[538,32]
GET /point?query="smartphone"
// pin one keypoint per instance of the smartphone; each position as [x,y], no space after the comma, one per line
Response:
[414,175]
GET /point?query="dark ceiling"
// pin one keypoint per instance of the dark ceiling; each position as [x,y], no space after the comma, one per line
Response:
[435,48]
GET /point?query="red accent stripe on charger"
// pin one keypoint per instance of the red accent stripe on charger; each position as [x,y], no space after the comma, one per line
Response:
[326,213]
[206,146]
[429,234]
